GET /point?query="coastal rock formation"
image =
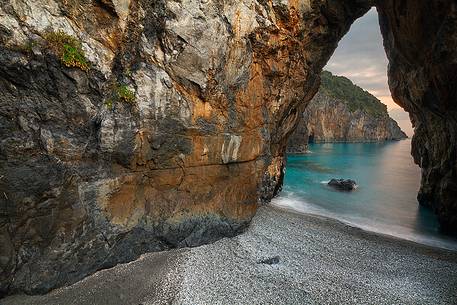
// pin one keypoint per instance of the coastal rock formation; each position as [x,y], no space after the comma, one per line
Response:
[343,184]
[343,112]
[134,126]
[421,44]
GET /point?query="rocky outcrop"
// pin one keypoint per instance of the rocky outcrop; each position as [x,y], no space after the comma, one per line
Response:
[394,130]
[133,126]
[343,184]
[421,45]
[333,116]
[298,140]
[329,120]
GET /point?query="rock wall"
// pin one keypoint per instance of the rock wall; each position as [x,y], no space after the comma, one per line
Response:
[297,142]
[421,45]
[153,124]
[206,94]
[329,119]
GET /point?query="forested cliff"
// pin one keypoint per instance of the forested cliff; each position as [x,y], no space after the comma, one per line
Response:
[343,112]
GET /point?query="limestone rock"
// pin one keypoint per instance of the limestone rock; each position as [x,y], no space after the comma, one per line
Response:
[334,118]
[421,45]
[215,88]
[173,137]
[343,184]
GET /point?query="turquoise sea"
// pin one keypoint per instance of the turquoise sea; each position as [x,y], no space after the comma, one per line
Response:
[385,200]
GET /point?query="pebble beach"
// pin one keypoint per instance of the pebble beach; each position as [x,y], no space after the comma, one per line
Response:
[283,258]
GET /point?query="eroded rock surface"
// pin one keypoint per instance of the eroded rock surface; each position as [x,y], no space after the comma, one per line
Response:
[335,116]
[421,44]
[218,85]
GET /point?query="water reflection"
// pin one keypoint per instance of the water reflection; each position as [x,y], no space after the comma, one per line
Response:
[425,219]
[385,200]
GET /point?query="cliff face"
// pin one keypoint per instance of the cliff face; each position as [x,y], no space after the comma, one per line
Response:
[133,126]
[336,116]
[421,45]
[394,131]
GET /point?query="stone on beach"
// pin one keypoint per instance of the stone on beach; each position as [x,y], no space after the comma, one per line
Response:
[322,261]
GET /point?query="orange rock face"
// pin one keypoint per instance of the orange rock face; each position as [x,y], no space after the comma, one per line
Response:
[89,180]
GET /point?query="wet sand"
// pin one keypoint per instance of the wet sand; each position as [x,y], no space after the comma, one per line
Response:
[283,258]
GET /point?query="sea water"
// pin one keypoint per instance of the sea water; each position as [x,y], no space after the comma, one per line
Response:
[385,199]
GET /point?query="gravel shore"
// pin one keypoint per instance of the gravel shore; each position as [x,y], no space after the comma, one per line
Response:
[283,258]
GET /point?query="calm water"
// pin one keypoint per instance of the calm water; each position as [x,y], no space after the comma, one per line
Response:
[385,200]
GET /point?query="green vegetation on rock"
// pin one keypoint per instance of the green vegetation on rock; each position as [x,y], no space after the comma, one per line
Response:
[125,94]
[68,49]
[109,104]
[120,93]
[352,95]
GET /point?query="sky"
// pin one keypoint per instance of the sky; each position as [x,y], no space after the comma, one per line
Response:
[360,56]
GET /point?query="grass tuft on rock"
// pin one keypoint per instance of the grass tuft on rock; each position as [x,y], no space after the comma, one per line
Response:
[68,49]
[120,93]
[125,94]
[109,104]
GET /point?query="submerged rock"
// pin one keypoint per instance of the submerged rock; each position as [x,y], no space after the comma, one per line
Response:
[343,184]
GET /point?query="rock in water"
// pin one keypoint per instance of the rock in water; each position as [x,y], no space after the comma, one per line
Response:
[343,184]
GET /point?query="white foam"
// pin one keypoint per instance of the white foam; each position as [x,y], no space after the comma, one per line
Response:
[299,205]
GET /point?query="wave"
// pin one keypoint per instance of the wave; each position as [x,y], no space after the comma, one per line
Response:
[290,201]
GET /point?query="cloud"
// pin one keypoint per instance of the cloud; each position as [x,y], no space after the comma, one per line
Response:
[360,56]
[399,114]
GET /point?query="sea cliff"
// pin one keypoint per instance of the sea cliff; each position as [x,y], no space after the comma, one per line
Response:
[343,112]
[135,126]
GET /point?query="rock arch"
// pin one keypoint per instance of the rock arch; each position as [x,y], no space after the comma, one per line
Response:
[218,89]
[421,48]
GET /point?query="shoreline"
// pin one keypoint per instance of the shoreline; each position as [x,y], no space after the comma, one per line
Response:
[364,229]
[385,202]
[300,153]
[284,257]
